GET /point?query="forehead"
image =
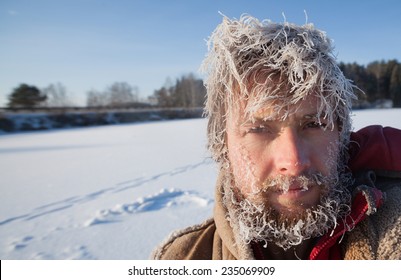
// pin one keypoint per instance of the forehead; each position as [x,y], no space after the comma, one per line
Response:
[279,110]
[275,110]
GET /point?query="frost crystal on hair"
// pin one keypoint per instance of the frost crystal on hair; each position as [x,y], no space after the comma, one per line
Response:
[255,64]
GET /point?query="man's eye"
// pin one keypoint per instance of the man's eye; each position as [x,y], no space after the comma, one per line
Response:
[315,124]
[258,129]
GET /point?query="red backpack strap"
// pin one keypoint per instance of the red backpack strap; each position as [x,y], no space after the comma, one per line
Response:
[375,148]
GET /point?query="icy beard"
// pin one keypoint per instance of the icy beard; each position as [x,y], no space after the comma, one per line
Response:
[257,222]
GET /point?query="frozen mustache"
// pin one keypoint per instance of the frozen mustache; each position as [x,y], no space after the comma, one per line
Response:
[283,182]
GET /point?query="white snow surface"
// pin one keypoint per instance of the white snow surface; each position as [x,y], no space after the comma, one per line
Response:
[110,192]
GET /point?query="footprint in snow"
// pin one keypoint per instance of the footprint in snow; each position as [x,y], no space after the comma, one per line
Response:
[79,252]
[22,243]
[165,198]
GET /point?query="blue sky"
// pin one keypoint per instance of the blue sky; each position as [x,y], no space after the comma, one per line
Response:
[90,44]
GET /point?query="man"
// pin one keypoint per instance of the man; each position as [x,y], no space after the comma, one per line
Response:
[280,129]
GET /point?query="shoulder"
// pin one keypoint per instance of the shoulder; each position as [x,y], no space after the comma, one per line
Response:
[375,148]
[195,242]
[387,223]
[379,235]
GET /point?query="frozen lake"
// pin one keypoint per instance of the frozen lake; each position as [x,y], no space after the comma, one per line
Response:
[110,192]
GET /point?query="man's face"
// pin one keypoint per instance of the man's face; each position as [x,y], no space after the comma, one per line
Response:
[273,159]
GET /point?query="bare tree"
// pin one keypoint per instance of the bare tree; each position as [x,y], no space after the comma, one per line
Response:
[122,94]
[57,96]
[96,98]
[119,94]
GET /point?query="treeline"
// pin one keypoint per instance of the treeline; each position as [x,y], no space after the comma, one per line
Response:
[117,95]
[379,80]
[187,92]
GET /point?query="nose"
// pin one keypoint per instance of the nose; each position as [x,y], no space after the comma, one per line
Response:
[292,153]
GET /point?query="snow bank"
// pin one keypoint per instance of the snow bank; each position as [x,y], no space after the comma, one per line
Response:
[15,122]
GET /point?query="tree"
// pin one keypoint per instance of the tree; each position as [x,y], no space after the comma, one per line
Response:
[118,95]
[56,96]
[379,79]
[96,98]
[122,94]
[163,95]
[365,81]
[188,92]
[26,96]
[395,86]
[382,72]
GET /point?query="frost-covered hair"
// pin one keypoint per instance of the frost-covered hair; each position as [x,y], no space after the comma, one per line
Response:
[261,63]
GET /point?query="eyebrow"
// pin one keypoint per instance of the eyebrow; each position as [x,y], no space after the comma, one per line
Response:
[311,116]
[266,120]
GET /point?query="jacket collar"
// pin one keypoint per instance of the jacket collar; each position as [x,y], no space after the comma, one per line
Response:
[365,202]
[226,232]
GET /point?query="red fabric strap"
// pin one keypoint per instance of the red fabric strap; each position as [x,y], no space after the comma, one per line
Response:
[375,148]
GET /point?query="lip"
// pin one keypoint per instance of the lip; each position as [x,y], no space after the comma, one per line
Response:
[294,192]
[293,188]
[298,189]
[295,199]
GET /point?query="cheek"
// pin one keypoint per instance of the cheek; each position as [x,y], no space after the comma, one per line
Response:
[244,167]
[327,156]
[239,162]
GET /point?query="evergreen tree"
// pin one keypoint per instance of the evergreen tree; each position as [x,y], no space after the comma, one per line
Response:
[395,86]
[378,80]
[25,96]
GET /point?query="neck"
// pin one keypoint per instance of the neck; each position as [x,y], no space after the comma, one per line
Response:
[274,252]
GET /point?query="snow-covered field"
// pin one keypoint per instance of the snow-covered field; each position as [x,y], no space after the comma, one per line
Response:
[110,192]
